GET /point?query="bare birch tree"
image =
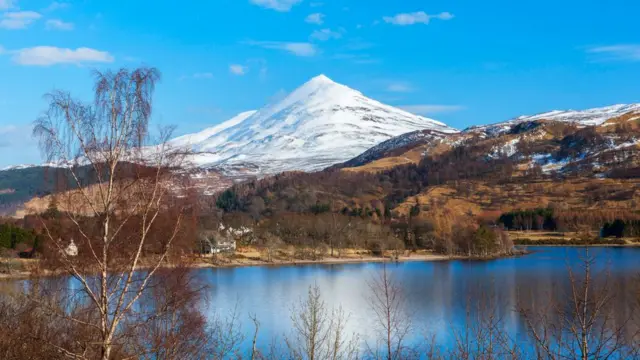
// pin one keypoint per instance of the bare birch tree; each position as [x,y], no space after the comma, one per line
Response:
[127,219]
[582,324]
[393,325]
[320,333]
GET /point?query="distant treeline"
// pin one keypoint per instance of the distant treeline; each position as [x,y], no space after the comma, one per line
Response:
[621,228]
[549,219]
[12,235]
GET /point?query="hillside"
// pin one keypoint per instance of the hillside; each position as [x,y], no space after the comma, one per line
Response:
[571,166]
[555,141]
[20,184]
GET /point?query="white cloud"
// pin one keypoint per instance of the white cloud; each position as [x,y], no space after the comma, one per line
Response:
[419,17]
[316,18]
[277,5]
[6,4]
[18,19]
[356,58]
[427,109]
[325,34]
[197,76]
[304,49]
[56,24]
[50,55]
[622,52]
[238,69]
[55,6]
[400,87]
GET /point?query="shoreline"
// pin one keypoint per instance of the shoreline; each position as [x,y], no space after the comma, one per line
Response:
[228,263]
[201,263]
[328,261]
[581,245]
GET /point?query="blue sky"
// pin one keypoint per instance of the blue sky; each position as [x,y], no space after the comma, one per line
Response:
[462,62]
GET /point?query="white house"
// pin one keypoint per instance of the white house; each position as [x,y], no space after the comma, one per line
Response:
[71,249]
[214,244]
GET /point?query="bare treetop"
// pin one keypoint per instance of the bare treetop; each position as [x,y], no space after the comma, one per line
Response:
[114,126]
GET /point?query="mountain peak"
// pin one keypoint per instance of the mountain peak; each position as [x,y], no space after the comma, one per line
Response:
[321,79]
[319,124]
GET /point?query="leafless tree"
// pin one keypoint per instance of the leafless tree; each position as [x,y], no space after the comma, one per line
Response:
[484,335]
[319,333]
[130,218]
[581,324]
[393,323]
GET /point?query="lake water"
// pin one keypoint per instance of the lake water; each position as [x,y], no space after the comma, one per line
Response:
[438,295]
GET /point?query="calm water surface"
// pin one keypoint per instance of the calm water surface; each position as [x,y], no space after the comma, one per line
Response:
[438,295]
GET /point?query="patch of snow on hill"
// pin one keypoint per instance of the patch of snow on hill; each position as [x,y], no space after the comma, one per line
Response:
[589,117]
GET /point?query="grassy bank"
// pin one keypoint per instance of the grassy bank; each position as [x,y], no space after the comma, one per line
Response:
[533,238]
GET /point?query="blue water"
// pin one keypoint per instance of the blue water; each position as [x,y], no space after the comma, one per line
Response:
[438,296]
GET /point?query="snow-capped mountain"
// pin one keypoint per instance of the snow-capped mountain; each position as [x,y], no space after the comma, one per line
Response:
[589,117]
[505,138]
[317,125]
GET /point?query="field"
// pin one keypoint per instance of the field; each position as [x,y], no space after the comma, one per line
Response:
[568,238]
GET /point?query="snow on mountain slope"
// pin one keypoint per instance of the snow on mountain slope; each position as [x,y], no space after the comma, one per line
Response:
[317,125]
[207,133]
[411,139]
[589,117]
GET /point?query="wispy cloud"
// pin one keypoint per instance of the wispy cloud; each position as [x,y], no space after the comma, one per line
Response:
[197,76]
[357,58]
[621,52]
[6,4]
[419,17]
[400,87]
[316,4]
[56,24]
[277,5]
[56,6]
[357,44]
[325,34]
[238,69]
[304,49]
[429,109]
[316,18]
[18,20]
[50,55]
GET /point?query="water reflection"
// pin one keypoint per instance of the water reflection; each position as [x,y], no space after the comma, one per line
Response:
[441,297]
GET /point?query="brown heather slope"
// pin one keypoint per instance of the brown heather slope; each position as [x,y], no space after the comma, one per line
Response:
[411,156]
[478,197]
